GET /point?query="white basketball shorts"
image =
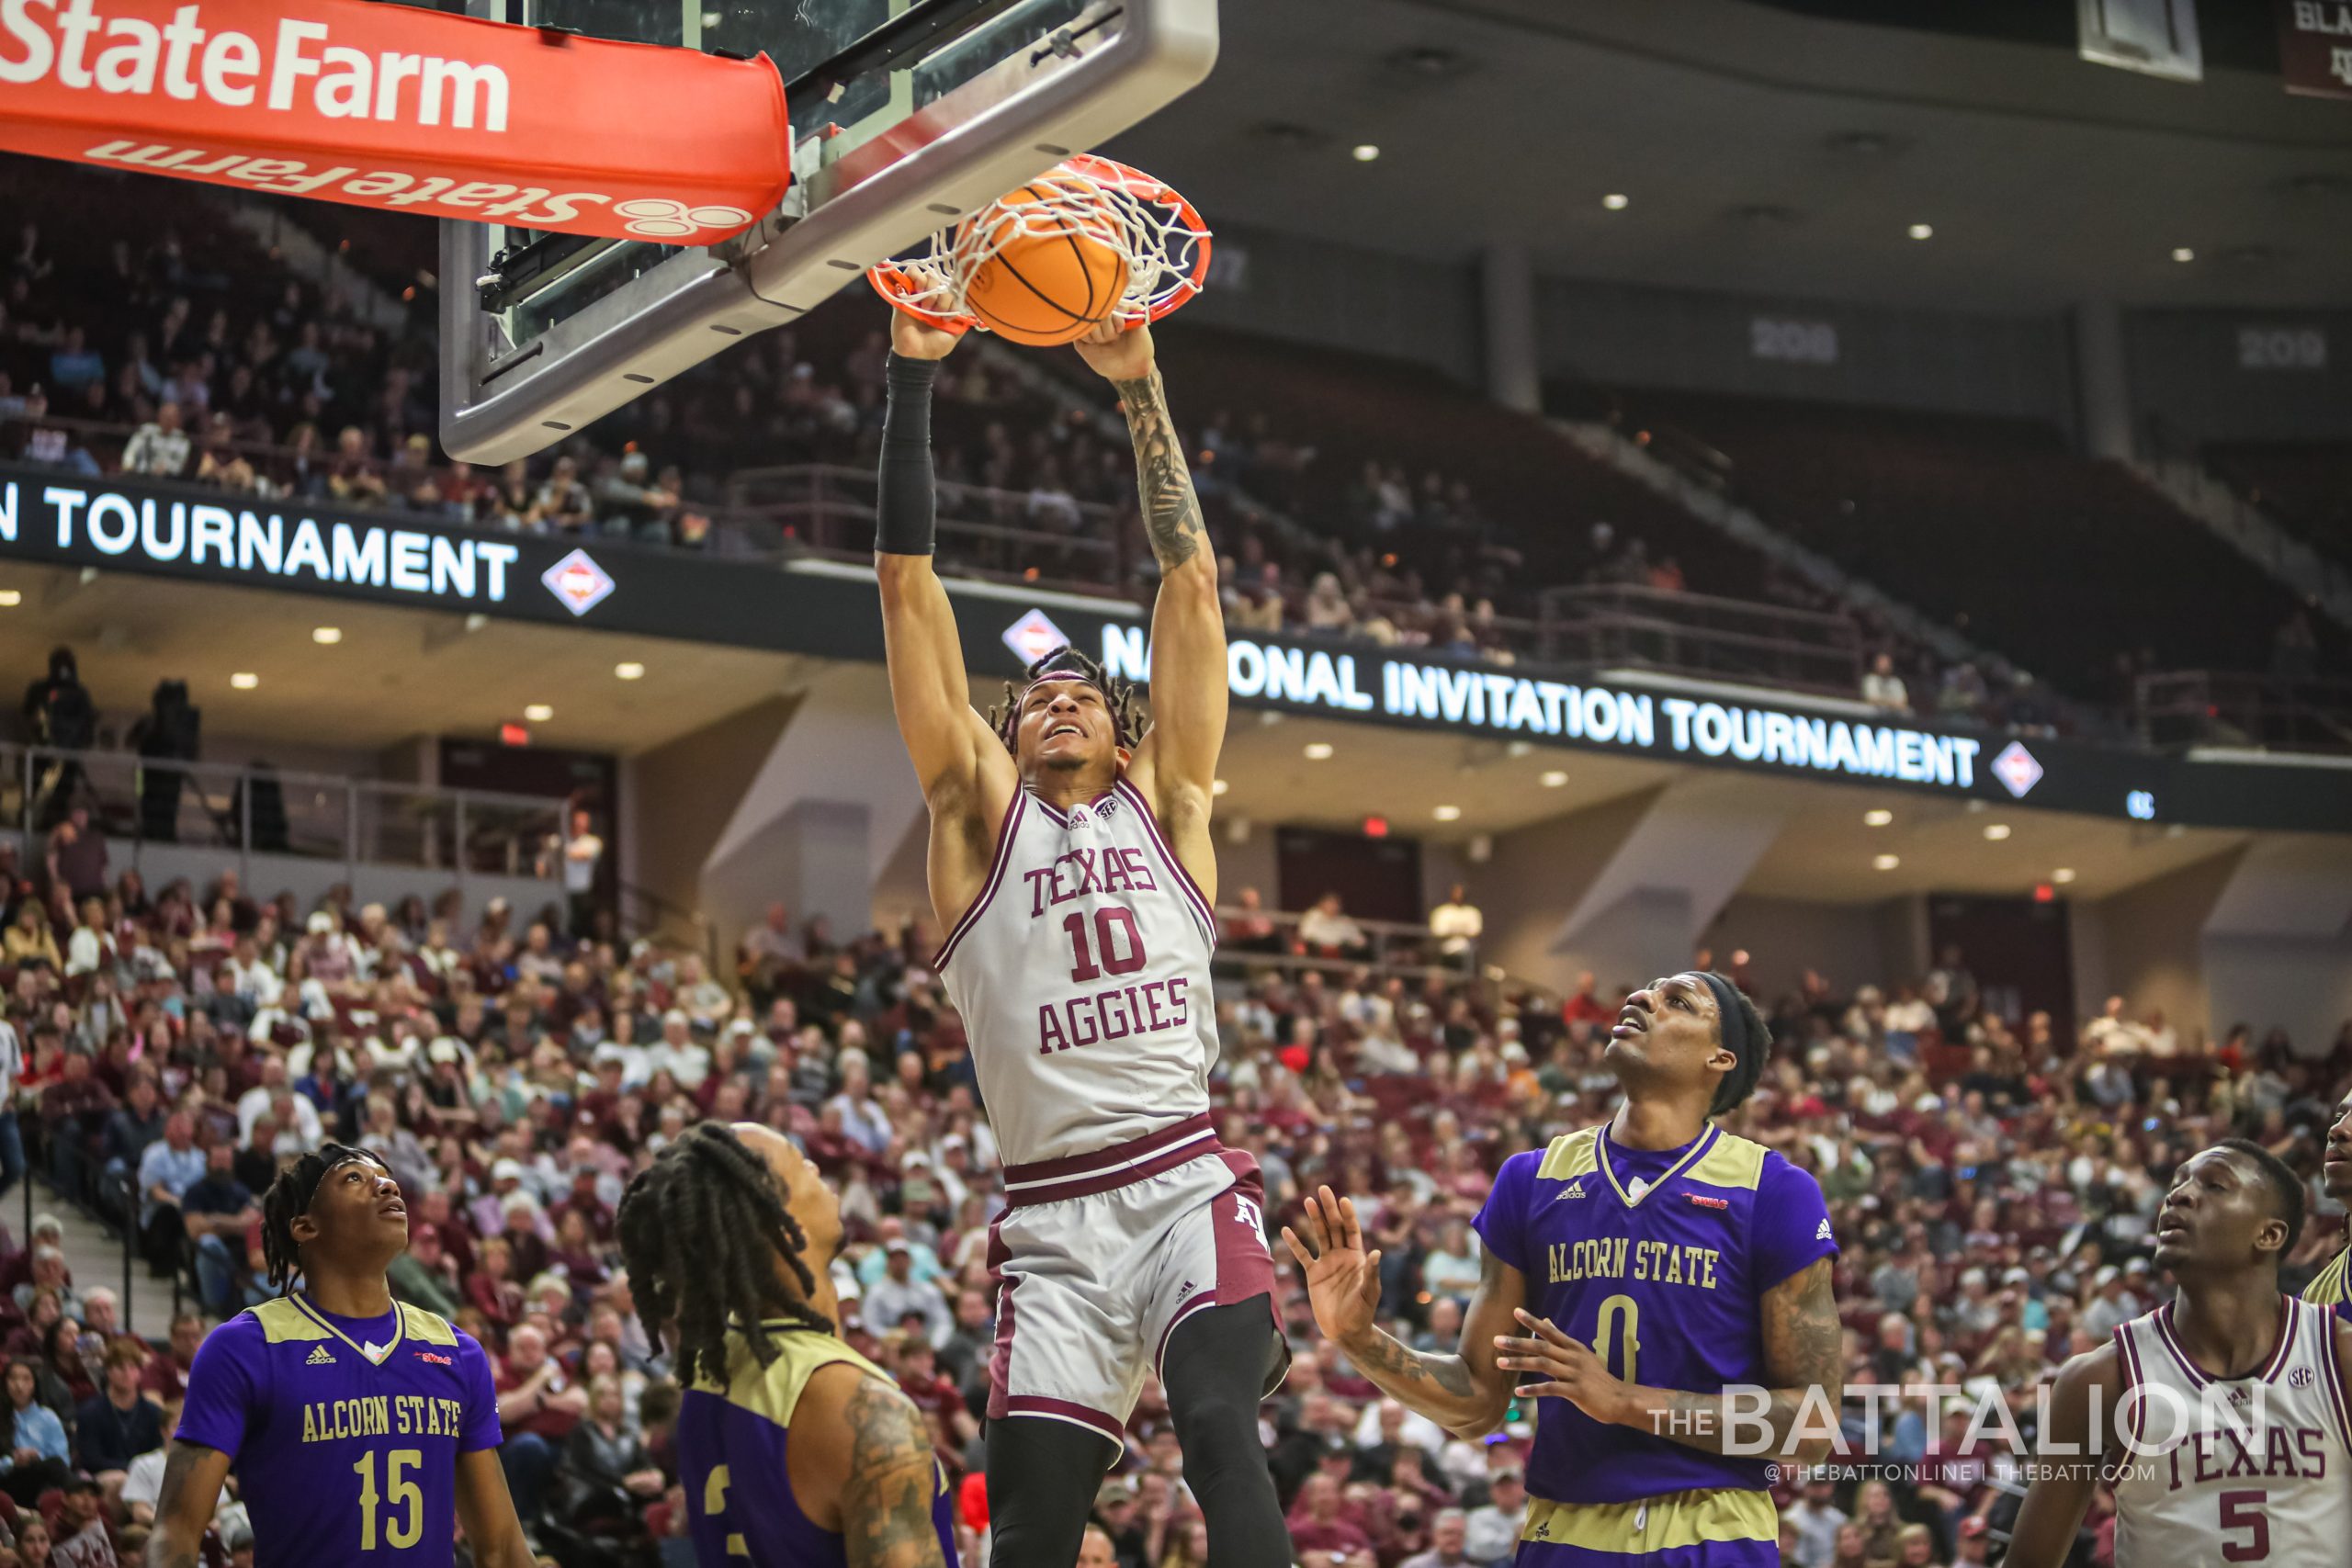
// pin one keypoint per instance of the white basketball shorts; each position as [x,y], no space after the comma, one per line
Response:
[1101,1255]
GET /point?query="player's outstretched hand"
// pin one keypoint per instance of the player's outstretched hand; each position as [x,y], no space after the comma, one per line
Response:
[1115,353]
[1570,1369]
[912,339]
[1342,1279]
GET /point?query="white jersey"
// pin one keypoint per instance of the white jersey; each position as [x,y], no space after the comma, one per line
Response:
[2194,1491]
[1082,972]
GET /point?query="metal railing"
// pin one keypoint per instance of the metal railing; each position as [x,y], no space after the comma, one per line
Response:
[1698,634]
[262,810]
[1390,947]
[2217,707]
[827,509]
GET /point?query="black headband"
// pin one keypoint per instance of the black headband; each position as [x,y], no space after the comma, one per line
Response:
[1727,1008]
[346,1154]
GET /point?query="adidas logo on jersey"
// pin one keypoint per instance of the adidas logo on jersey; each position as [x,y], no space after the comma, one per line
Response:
[320,1357]
[1573,1190]
[1823,1233]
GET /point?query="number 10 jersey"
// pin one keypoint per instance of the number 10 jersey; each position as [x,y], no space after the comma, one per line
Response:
[1082,972]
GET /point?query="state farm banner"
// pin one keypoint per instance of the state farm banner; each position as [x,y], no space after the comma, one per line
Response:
[2315,47]
[402,108]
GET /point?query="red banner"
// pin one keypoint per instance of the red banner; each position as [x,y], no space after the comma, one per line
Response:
[2315,47]
[398,108]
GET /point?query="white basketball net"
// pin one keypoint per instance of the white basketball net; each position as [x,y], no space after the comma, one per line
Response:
[1116,206]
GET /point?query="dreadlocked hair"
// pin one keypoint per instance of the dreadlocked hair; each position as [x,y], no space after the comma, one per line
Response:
[288,1198]
[1128,719]
[709,1211]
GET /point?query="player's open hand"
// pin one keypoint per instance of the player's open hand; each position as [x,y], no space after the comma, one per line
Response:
[1116,353]
[1570,1369]
[913,339]
[1342,1279]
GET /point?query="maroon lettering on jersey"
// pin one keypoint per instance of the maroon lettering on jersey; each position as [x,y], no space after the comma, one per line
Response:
[1114,1012]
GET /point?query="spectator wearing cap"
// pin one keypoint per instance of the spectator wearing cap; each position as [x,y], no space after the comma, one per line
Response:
[1816,1519]
[158,449]
[899,1296]
[2115,1303]
[677,1052]
[84,1537]
[1494,1525]
[1975,1542]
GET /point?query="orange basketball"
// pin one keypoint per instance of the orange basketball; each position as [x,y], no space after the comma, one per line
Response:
[1044,290]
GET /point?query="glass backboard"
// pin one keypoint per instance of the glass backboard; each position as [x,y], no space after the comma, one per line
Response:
[906,116]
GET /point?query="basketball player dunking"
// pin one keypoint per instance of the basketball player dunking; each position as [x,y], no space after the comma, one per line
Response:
[2191,1491]
[1071,866]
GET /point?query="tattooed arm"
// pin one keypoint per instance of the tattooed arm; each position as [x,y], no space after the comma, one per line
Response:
[875,1481]
[1804,1367]
[191,1491]
[1176,765]
[1468,1393]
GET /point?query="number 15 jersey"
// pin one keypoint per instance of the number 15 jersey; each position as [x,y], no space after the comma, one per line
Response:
[1082,972]
[344,1432]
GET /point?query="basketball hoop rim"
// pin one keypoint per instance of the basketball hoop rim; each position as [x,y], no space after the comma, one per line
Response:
[903,287]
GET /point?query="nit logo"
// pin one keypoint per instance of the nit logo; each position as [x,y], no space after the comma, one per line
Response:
[2017,770]
[437,1359]
[1033,636]
[579,582]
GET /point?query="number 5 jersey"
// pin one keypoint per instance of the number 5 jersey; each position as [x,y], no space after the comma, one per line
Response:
[345,1432]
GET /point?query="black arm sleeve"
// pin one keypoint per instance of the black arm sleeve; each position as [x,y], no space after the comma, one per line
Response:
[906,511]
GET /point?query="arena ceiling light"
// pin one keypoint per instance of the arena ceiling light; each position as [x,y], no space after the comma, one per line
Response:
[1219,787]
[538,713]
[1616,201]
[1448,813]
[11,597]
[244,680]
[2183,253]
[1554,779]
[1923,231]
[630,670]
[1366,152]
[326,637]
[1877,818]
[2063,873]
[1996,831]
[1887,862]
[1319,751]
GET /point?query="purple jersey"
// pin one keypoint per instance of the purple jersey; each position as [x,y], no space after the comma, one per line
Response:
[345,1431]
[733,1439]
[1659,1261]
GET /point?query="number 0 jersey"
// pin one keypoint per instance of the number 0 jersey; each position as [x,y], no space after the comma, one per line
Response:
[1082,972]
[1658,1260]
[345,1432]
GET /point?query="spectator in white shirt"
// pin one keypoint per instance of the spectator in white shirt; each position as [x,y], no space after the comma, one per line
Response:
[160,447]
[1326,929]
[1457,925]
[1883,688]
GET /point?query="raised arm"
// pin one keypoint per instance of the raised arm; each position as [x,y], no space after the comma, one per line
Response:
[1468,1392]
[1176,763]
[949,743]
